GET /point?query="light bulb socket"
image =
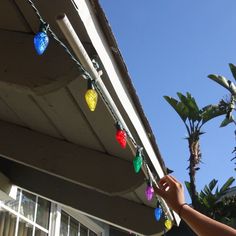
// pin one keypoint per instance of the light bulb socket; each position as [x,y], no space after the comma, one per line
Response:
[149,182]
[119,125]
[139,152]
[90,84]
[43,27]
[95,64]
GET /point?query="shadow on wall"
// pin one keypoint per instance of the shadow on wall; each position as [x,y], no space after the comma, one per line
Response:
[118,232]
[182,230]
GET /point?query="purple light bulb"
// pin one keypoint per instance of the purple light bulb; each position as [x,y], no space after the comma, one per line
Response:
[149,192]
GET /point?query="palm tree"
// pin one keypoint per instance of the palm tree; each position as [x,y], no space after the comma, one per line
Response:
[217,204]
[194,118]
[230,104]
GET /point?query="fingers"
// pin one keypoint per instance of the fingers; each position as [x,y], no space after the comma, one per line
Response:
[177,183]
[174,179]
[163,186]
[167,180]
[166,183]
[159,191]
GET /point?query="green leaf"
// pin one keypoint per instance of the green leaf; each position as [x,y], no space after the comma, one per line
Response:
[202,195]
[206,203]
[212,184]
[233,70]
[226,185]
[179,107]
[220,80]
[211,111]
[226,121]
[206,190]
[191,104]
[224,82]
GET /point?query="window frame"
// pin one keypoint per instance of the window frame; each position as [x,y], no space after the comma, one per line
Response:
[84,220]
[54,216]
[22,217]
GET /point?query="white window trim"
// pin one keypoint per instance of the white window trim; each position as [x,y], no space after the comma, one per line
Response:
[54,217]
[20,216]
[84,220]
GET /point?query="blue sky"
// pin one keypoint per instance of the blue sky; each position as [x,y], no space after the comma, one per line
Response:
[170,46]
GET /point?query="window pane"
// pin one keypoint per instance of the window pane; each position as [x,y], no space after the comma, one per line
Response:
[43,210]
[39,232]
[91,233]
[7,223]
[64,224]
[74,226]
[25,229]
[83,231]
[28,205]
[14,204]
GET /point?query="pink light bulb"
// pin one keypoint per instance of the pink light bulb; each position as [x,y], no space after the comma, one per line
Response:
[149,192]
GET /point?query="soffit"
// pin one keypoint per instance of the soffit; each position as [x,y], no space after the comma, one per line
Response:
[46,95]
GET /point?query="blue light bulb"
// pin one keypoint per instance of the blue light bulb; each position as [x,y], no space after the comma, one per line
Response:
[41,41]
[158,213]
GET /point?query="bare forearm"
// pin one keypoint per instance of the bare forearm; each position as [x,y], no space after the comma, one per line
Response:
[203,225]
[172,191]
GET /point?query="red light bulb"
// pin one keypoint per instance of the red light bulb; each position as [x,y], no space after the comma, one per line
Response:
[121,138]
[121,135]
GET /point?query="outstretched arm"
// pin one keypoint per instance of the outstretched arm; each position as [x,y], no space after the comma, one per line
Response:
[172,192]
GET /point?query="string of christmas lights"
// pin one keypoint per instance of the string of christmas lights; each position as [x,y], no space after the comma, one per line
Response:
[41,42]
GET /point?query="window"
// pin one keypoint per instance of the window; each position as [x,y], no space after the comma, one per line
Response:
[91,233]
[6,218]
[27,207]
[83,231]
[32,215]
[28,215]
[74,227]
[43,210]
[71,227]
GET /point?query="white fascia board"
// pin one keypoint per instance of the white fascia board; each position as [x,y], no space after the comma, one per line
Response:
[103,50]
[100,44]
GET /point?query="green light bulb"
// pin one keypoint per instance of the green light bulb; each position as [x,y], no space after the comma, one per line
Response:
[137,162]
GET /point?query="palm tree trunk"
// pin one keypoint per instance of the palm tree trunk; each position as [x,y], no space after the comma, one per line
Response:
[194,160]
[192,173]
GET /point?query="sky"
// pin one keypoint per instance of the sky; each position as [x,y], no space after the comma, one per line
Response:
[171,46]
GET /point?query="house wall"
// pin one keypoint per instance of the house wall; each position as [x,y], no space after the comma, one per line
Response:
[32,215]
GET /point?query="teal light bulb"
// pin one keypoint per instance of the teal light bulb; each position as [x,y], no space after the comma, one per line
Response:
[137,162]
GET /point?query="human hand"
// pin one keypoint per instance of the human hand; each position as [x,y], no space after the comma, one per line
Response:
[171,190]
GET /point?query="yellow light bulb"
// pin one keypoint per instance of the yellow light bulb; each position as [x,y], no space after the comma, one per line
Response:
[91,98]
[168,224]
